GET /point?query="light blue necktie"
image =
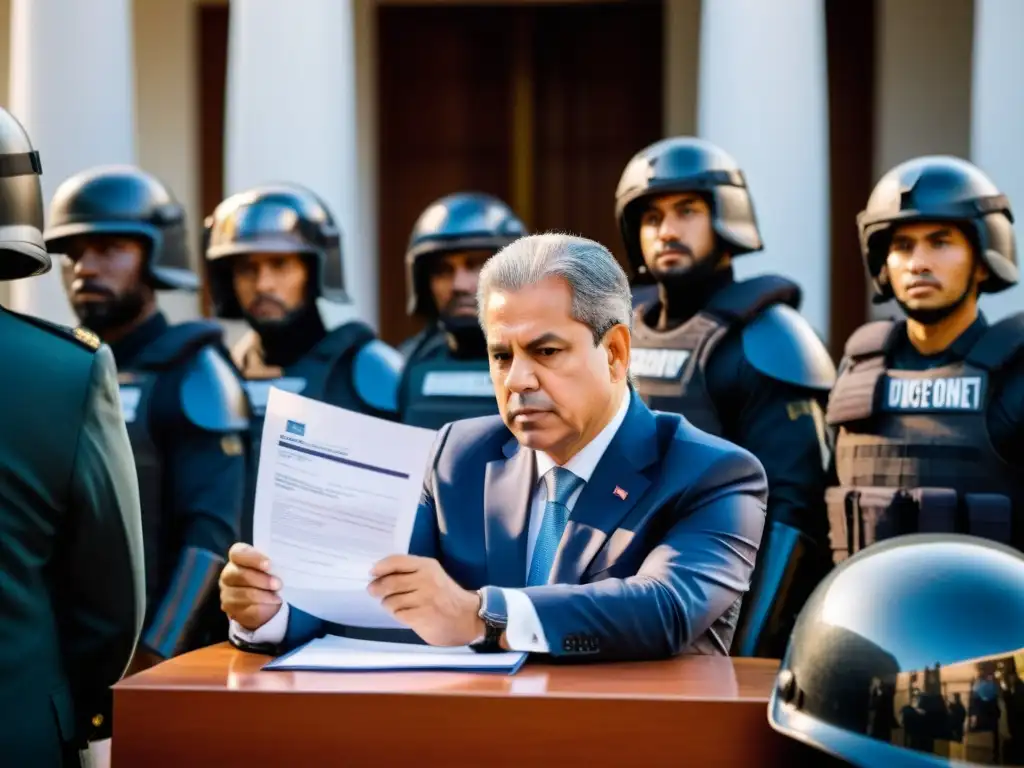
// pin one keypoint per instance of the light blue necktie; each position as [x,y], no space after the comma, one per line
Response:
[561,484]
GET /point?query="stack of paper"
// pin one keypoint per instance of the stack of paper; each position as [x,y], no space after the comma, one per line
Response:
[345,654]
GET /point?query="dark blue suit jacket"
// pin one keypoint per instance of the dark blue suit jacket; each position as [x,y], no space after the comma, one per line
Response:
[660,572]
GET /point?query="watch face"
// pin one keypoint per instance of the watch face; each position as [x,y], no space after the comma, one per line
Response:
[492,614]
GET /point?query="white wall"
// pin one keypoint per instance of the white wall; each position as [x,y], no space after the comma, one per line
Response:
[998,119]
[763,98]
[923,79]
[923,84]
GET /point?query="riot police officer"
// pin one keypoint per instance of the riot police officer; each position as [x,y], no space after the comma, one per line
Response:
[72,594]
[734,357]
[929,409]
[891,642]
[273,257]
[447,372]
[123,236]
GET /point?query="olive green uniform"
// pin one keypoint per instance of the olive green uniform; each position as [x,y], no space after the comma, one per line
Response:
[72,597]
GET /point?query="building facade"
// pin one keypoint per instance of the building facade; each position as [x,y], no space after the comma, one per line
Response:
[382,106]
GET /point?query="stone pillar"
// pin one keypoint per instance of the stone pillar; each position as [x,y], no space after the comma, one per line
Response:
[72,87]
[762,96]
[293,116]
[997,119]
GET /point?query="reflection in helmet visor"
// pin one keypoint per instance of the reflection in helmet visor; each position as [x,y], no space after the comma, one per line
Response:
[972,711]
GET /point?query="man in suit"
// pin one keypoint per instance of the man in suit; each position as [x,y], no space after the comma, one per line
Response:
[72,595]
[578,523]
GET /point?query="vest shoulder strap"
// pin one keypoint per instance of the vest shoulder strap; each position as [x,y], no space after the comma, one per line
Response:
[744,300]
[343,340]
[872,339]
[180,342]
[1001,343]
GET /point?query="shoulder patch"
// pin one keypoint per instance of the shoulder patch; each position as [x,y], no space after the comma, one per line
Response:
[83,337]
[87,337]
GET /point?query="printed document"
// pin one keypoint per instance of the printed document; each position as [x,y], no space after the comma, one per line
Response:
[336,491]
[346,654]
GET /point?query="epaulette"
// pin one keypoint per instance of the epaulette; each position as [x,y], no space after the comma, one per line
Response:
[80,335]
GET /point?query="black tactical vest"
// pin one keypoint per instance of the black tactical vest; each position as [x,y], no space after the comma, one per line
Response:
[670,366]
[913,453]
[309,377]
[440,388]
[170,350]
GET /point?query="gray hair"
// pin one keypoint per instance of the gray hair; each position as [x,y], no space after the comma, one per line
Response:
[601,296]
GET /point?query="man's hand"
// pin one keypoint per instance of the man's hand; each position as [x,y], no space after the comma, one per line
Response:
[248,591]
[418,593]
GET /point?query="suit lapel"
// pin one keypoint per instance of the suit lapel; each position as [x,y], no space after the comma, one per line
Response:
[601,506]
[508,484]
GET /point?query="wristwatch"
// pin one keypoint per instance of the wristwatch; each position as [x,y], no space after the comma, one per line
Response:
[495,615]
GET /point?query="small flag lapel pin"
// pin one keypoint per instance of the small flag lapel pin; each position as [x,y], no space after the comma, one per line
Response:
[620,493]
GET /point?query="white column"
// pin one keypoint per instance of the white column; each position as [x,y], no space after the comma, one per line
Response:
[763,98]
[72,87]
[292,116]
[997,119]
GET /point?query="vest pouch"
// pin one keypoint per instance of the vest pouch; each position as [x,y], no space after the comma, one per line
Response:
[990,516]
[838,503]
[861,516]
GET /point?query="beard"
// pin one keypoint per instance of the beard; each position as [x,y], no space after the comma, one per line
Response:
[457,306]
[115,311]
[693,270]
[934,315]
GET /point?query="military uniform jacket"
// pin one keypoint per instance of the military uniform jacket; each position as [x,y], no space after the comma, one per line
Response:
[913,449]
[72,594]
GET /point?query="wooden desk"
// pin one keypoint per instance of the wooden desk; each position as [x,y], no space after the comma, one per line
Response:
[215,707]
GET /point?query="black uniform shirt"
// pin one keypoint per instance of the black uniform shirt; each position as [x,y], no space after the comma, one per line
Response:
[204,472]
[1005,416]
[780,423]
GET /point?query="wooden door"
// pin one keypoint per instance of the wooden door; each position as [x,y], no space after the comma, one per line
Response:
[540,105]
[444,126]
[598,88]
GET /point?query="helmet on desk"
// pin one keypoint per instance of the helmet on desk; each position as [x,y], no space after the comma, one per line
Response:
[911,653]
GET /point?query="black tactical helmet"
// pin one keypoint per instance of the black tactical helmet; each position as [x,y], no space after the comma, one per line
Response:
[22,248]
[940,188]
[687,164]
[274,218]
[124,200]
[910,653]
[459,222]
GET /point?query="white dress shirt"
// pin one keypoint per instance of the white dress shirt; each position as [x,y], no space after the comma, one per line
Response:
[524,631]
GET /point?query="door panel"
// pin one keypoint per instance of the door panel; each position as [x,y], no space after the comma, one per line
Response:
[541,105]
[598,101]
[444,120]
